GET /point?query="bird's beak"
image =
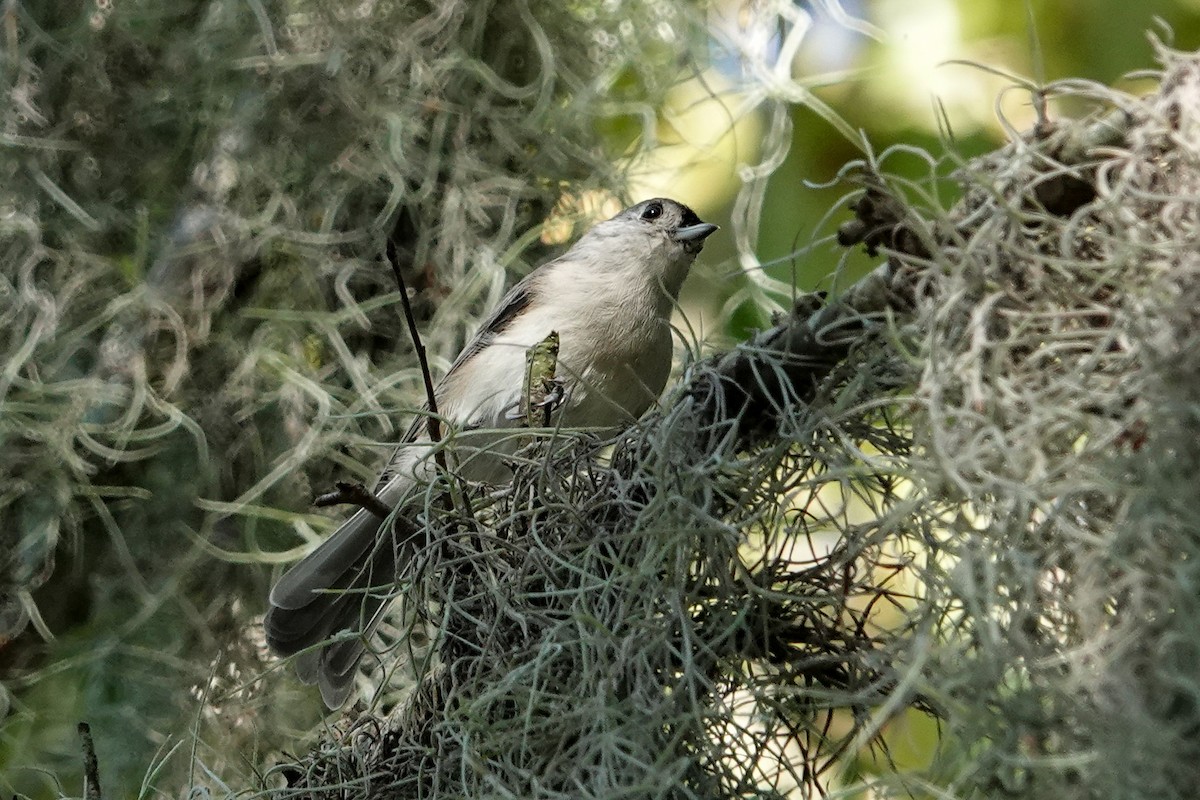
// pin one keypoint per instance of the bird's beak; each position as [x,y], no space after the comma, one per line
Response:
[695,233]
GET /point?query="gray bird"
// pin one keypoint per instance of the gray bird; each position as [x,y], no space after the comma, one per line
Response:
[610,299]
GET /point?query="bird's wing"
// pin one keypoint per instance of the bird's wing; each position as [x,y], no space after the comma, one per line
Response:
[516,301]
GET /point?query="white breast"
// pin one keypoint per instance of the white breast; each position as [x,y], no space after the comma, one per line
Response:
[614,354]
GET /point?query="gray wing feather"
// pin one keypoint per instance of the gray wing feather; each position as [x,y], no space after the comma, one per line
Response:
[322,567]
[516,301]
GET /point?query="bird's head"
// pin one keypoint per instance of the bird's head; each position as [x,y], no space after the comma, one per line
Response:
[658,238]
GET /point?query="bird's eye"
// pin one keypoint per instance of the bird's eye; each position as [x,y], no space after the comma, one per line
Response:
[653,211]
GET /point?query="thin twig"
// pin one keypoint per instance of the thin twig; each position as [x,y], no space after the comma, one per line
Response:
[91,767]
[434,426]
[354,494]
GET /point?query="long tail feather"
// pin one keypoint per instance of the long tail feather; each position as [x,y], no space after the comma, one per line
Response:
[343,585]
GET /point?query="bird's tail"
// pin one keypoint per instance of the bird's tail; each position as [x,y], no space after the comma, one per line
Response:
[343,585]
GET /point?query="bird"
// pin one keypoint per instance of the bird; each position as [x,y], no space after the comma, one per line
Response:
[609,298]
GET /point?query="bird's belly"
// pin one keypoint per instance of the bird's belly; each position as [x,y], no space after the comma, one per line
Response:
[610,377]
[612,386]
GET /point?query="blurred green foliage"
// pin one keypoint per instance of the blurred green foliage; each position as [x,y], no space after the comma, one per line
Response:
[1099,40]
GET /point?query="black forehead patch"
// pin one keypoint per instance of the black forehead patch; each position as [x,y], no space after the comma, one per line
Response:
[689,217]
